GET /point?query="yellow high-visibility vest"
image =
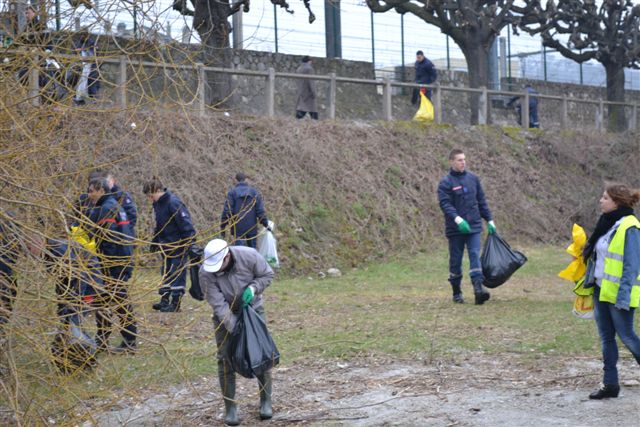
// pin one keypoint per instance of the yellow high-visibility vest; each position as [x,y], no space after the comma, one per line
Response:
[613,265]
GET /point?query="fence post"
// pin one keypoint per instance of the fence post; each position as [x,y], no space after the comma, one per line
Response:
[524,109]
[386,100]
[34,83]
[634,118]
[437,106]
[201,88]
[483,107]
[565,113]
[270,93]
[122,83]
[332,96]
[600,116]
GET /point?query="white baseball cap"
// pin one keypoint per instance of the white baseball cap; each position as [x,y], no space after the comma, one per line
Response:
[214,254]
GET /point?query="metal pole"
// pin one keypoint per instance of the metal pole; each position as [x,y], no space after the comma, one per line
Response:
[509,56]
[275,25]
[135,20]
[58,22]
[402,46]
[237,30]
[448,55]
[373,44]
[581,76]
[544,61]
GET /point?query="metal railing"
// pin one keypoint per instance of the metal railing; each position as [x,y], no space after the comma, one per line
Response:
[270,76]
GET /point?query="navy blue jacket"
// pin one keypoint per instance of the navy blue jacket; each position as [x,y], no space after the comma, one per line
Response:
[127,203]
[81,274]
[8,250]
[111,230]
[461,194]
[242,211]
[173,223]
[425,72]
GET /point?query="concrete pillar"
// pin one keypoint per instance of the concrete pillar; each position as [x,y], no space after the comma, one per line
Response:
[332,96]
[270,93]
[387,108]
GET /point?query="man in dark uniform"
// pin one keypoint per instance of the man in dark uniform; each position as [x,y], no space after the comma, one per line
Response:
[242,212]
[464,206]
[174,235]
[113,236]
[8,258]
[426,74]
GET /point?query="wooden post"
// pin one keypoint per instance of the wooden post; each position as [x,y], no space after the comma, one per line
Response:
[332,96]
[437,103]
[201,89]
[633,125]
[122,83]
[565,113]
[270,93]
[387,112]
[34,82]
[483,107]
[600,116]
[524,109]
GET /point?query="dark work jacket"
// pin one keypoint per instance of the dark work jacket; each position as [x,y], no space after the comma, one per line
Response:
[8,249]
[126,201]
[173,224]
[243,209]
[461,194]
[425,72]
[112,231]
[78,271]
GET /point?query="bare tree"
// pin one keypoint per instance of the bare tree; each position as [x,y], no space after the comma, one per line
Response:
[581,30]
[472,24]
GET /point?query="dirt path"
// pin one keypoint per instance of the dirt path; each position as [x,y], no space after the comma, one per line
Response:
[474,391]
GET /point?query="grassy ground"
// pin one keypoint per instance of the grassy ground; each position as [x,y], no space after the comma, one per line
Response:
[398,309]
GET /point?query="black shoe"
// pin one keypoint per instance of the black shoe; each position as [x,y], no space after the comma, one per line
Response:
[605,392]
[457,298]
[164,301]
[79,102]
[482,297]
[173,306]
[124,347]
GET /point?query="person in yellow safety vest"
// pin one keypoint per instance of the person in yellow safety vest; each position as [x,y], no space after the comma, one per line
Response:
[613,256]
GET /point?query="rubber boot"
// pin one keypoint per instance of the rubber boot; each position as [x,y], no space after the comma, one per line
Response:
[228,387]
[264,382]
[173,306]
[457,294]
[605,392]
[164,301]
[480,293]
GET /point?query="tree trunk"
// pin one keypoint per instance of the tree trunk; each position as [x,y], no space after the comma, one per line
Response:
[617,121]
[478,68]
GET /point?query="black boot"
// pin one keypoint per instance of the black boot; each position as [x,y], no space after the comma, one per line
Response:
[124,347]
[605,392]
[173,306]
[458,299]
[164,301]
[480,293]
[264,382]
[228,387]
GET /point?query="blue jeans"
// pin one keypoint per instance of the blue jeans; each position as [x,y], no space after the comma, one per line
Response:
[456,251]
[250,242]
[174,274]
[612,321]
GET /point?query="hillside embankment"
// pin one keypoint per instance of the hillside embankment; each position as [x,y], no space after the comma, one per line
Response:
[340,193]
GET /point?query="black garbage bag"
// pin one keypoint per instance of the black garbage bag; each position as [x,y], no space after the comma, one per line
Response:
[196,254]
[73,350]
[251,350]
[499,261]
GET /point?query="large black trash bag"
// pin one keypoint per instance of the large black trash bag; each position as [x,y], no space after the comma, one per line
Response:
[251,350]
[73,350]
[499,261]
[196,254]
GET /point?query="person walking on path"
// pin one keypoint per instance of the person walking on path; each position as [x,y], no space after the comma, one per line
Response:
[612,254]
[307,102]
[174,235]
[464,206]
[243,210]
[231,278]
[426,74]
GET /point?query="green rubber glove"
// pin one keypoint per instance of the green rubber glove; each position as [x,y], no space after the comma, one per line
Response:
[464,227]
[491,227]
[247,296]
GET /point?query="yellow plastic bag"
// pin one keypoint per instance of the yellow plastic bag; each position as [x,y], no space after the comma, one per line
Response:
[425,113]
[79,235]
[583,306]
[577,268]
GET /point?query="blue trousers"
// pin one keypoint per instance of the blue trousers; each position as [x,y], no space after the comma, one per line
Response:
[457,244]
[250,242]
[612,321]
[174,275]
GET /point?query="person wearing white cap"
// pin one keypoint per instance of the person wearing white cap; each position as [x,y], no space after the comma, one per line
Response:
[232,277]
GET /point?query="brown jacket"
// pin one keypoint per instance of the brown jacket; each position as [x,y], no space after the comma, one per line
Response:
[224,290]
